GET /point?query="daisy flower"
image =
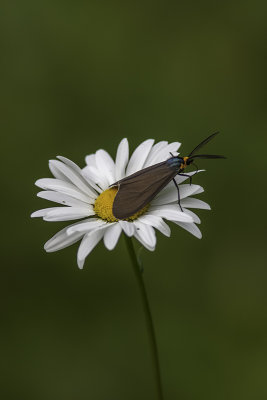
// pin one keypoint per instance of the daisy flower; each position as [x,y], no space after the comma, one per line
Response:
[86,194]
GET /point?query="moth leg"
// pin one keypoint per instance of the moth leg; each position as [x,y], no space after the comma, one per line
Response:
[194,173]
[195,166]
[188,176]
[179,200]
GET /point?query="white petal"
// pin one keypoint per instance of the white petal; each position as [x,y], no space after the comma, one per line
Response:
[199,190]
[41,213]
[188,190]
[127,227]
[112,235]
[139,238]
[92,174]
[70,163]
[195,203]
[154,151]
[122,158]
[192,228]
[88,243]
[57,174]
[193,215]
[180,178]
[76,168]
[87,226]
[169,194]
[62,199]
[156,222]
[87,177]
[146,233]
[139,156]
[171,212]
[62,187]
[90,160]
[61,240]
[164,154]
[67,213]
[74,177]
[106,165]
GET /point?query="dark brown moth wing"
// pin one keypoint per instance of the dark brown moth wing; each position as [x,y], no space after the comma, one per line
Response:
[137,190]
[135,174]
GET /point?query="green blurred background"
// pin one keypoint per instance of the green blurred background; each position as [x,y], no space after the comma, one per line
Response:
[79,76]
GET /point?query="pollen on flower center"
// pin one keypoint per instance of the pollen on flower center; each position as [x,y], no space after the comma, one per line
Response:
[104,203]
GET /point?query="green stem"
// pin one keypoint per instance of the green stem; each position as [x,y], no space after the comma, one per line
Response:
[149,321]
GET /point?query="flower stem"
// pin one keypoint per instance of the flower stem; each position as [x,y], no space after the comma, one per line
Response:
[149,321]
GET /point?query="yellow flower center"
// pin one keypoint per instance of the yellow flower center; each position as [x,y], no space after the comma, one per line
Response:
[104,203]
